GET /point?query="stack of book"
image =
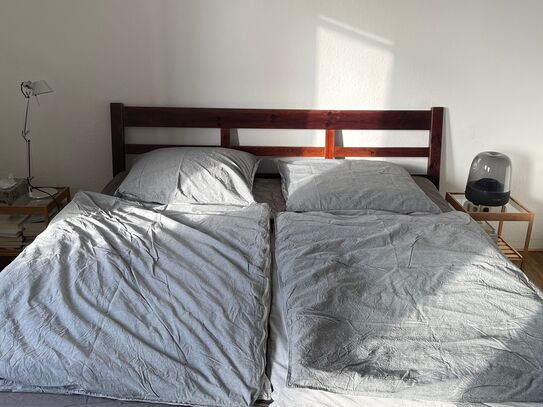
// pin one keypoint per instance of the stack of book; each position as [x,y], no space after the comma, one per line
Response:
[11,231]
[33,226]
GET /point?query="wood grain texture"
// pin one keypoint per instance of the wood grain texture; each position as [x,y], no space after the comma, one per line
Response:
[330,144]
[117,138]
[381,151]
[329,120]
[492,216]
[434,157]
[533,268]
[225,137]
[523,215]
[139,116]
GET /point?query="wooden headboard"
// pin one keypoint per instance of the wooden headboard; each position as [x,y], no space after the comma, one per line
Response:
[329,120]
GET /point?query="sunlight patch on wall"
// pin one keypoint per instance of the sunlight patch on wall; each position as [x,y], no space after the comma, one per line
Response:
[366,34]
[353,71]
[353,67]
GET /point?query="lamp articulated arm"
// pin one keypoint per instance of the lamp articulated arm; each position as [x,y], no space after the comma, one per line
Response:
[25,133]
[29,89]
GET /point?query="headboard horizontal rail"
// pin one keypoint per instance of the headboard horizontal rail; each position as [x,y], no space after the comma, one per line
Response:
[135,116]
[329,120]
[382,151]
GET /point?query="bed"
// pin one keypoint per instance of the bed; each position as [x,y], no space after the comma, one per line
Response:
[210,222]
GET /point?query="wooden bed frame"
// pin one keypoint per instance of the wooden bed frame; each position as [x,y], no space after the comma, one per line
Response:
[329,120]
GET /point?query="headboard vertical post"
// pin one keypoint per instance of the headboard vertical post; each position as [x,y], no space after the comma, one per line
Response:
[117,137]
[434,157]
[225,137]
[330,144]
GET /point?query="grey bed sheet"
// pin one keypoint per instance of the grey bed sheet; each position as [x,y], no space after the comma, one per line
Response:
[412,307]
[268,190]
[120,300]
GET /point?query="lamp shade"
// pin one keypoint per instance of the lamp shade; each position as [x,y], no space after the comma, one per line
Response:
[40,87]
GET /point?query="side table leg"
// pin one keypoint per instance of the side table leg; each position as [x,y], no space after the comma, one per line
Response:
[527,242]
[500,228]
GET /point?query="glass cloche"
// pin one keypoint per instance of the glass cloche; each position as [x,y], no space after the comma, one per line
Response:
[489,180]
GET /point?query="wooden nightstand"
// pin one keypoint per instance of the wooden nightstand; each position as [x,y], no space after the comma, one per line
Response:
[46,208]
[513,211]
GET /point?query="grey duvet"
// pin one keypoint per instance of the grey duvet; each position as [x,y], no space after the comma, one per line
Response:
[152,303]
[415,307]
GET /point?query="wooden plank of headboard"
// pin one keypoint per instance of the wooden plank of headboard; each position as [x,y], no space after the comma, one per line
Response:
[434,155]
[117,137]
[381,151]
[137,116]
[330,144]
[225,137]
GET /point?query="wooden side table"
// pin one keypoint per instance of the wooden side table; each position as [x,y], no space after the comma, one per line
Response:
[34,207]
[513,211]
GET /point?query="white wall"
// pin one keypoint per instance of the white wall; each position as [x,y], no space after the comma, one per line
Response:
[482,60]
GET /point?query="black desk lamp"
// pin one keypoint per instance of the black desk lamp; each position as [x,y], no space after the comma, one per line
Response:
[29,89]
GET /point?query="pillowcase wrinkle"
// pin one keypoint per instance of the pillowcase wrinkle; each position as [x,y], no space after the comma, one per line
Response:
[317,185]
[195,175]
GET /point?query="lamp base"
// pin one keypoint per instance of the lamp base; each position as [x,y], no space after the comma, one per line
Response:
[42,193]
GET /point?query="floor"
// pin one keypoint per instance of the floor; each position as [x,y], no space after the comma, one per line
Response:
[533,268]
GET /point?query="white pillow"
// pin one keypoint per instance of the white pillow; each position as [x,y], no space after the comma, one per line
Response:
[321,185]
[200,175]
